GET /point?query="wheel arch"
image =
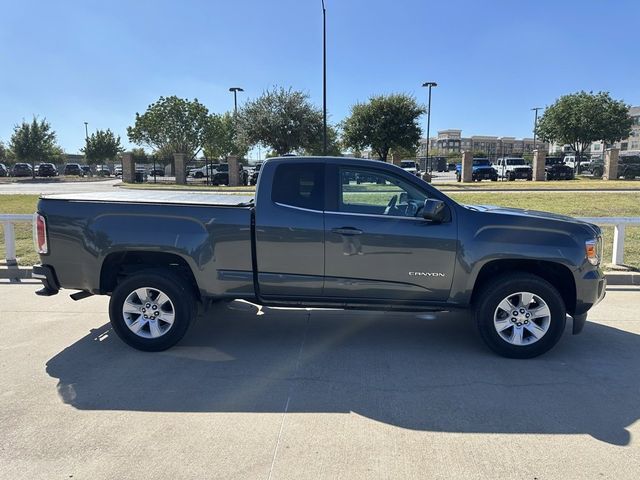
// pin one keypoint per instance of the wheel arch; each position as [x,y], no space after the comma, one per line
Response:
[556,274]
[121,264]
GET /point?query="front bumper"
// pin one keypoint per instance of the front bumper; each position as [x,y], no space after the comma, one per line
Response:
[47,276]
[590,290]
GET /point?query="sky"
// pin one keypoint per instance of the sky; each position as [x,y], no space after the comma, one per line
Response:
[101,62]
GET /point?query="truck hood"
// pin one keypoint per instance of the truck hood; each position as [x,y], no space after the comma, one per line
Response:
[520,212]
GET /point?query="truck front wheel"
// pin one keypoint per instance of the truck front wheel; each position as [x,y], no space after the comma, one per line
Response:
[151,310]
[520,315]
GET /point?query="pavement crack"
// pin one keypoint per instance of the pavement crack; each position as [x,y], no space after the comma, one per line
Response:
[291,386]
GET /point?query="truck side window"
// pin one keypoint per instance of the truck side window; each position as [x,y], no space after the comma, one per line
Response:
[299,185]
[378,193]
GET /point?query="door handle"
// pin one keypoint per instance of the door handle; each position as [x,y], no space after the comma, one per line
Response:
[347,231]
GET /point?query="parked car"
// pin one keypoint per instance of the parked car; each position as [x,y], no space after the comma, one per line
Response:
[410,166]
[86,170]
[570,160]
[512,168]
[158,172]
[4,172]
[73,169]
[221,175]
[451,167]
[628,167]
[208,171]
[555,169]
[310,239]
[21,170]
[117,170]
[47,170]
[103,171]
[253,179]
[482,169]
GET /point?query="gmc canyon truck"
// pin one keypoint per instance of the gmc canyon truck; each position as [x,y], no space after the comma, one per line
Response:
[314,237]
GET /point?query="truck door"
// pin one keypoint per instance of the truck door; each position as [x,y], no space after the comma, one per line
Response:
[378,246]
[289,229]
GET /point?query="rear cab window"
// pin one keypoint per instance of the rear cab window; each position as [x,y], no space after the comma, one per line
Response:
[299,185]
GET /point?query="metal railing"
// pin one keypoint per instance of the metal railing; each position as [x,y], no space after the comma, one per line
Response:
[7,221]
[619,224]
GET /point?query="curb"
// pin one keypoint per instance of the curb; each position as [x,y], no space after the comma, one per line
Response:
[613,278]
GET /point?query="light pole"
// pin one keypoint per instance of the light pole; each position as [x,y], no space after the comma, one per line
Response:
[235,91]
[86,130]
[535,125]
[429,85]
[324,76]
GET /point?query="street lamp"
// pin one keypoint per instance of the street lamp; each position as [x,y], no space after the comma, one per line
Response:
[235,91]
[324,76]
[86,130]
[535,125]
[429,85]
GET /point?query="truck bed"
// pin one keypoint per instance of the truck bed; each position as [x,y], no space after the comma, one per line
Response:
[160,197]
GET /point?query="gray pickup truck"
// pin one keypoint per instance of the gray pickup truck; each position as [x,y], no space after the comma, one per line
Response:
[321,232]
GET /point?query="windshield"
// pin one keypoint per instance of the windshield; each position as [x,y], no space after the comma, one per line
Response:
[481,162]
[408,164]
[516,161]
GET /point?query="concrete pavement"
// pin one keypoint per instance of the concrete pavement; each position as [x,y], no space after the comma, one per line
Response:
[296,394]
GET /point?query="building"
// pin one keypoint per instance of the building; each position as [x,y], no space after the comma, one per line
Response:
[452,141]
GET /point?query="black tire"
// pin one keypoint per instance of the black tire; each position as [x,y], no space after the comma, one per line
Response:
[179,292]
[489,297]
[198,175]
[458,178]
[597,172]
[510,176]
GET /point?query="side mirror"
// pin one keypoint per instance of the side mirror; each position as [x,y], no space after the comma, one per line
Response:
[434,210]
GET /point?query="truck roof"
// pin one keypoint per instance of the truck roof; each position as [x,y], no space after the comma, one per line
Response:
[147,196]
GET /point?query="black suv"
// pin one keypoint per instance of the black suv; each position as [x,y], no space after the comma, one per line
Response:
[221,177]
[73,169]
[628,167]
[47,170]
[21,170]
[555,169]
[254,176]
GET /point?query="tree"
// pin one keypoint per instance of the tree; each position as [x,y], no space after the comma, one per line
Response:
[35,141]
[101,146]
[221,138]
[385,122]
[171,124]
[581,118]
[334,147]
[139,155]
[283,120]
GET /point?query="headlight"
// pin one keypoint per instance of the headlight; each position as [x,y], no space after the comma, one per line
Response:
[593,250]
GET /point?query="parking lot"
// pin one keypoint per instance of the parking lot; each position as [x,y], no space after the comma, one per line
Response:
[277,393]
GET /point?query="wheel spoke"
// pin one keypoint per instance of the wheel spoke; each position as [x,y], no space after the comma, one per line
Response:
[516,336]
[525,299]
[502,325]
[541,311]
[137,325]
[166,317]
[154,328]
[506,305]
[535,329]
[143,294]
[131,307]
[161,299]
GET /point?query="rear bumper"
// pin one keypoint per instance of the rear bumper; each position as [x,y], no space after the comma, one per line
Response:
[47,276]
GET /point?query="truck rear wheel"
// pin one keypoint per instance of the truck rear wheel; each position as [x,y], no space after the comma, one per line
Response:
[520,315]
[152,310]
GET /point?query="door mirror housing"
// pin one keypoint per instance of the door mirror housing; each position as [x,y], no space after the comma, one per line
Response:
[434,210]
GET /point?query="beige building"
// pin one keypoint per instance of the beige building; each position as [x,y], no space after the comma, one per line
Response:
[452,141]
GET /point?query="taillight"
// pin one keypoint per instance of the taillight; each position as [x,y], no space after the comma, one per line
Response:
[40,234]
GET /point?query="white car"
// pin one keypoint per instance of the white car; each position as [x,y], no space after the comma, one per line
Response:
[570,160]
[410,166]
[202,172]
[511,168]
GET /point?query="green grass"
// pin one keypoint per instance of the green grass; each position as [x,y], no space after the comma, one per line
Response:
[580,183]
[579,204]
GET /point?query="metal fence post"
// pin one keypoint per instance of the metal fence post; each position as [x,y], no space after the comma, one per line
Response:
[10,244]
[618,244]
